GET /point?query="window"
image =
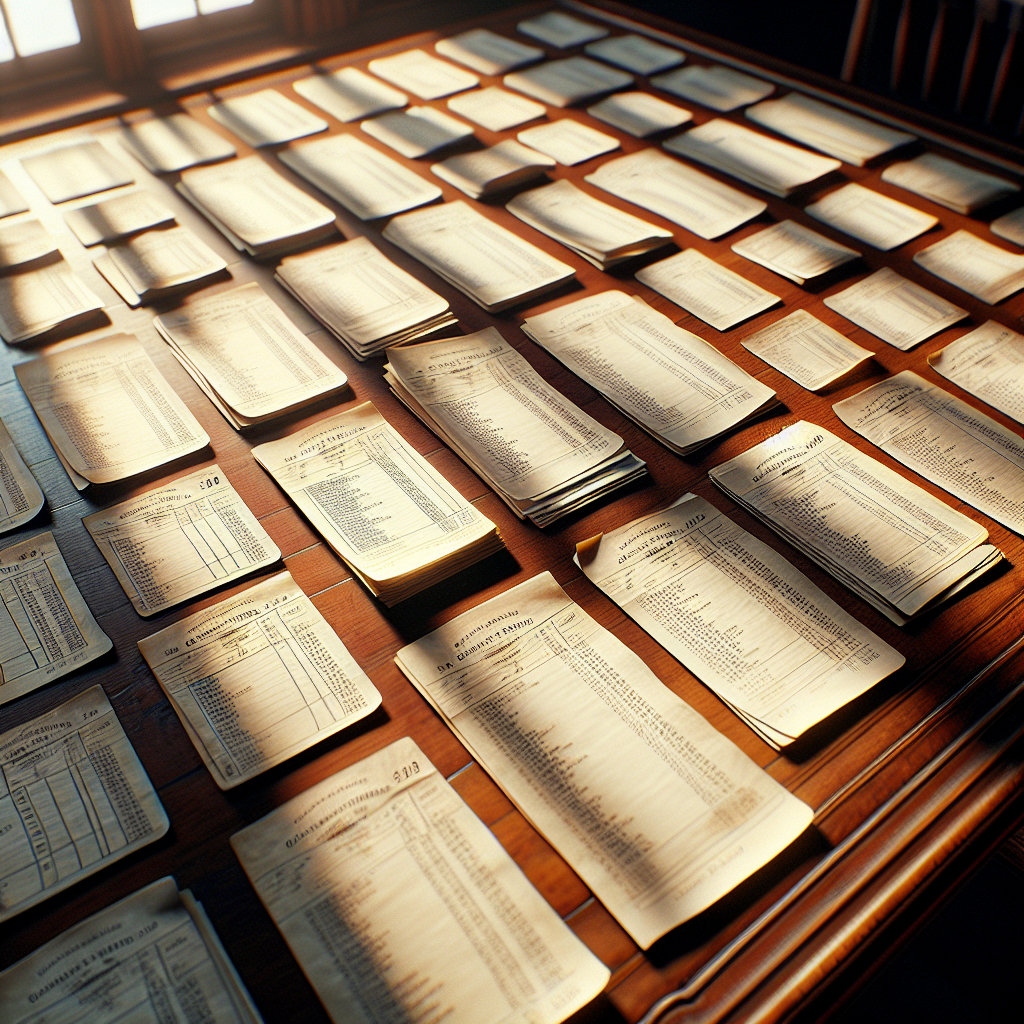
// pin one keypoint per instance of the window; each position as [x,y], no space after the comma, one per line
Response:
[37,26]
[150,13]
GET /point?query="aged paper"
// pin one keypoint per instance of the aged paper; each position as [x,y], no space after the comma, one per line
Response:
[247,356]
[1010,226]
[151,956]
[709,291]
[258,678]
[74,797]
[794,251]
[894,309]
[636,53]
[986,271]
[563,83]
[871,217]
[639,113]
[181,540]
[417,131]
[487,52]
[748,624]
[500,167]
[24,241]
[108,409]
[679,193]
[714,86]
[346,866]
[946,440]
[807,350]
[561,30]
[115,218]
[167,144]
[496,109]
[658,813]
[948,183]
[266,118]
[75,169]
[425,76]
[20,496]
[37,300]
[46,628]
[381,506]
[349,94]
[568,141]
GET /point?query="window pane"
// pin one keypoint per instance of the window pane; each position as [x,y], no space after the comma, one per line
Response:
[159,12]
[6,49]
[41,25]
[209,6]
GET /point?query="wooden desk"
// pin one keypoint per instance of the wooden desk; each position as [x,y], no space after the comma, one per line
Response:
[912,785]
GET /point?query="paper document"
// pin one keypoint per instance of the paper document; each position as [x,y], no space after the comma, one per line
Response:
[568,141]
[487,948]
[181,540]
[887,539]
[366,301]
[989,364]
[153,955]
[603,235]
[676,192]
[496,109]
[417,131]
[871,217]
[706,289]
[20,497]
[714,86]
[635,53]
[487,52]
[572,80]
[495,169]
[167,144]
[381,506]
[658,813]
[639,113]
[1010,226]
[266,118]
[258,678]
[796,252]
[947,441]
[75,169]
[894,309]
[948,183]
[986,271]
[252,362]
[494,267]
[807,350]
[74,798]
[349,94]
[852,139]
[425,76]
[365,181]
[560,30]
[117,218]
[35,301]
[108,409]
[749,625]
[675,385]
[24,241]
[11,200]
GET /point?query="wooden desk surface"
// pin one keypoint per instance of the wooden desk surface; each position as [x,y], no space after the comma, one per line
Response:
[912,785]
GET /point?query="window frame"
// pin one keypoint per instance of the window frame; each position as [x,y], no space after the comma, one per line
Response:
[206,30]
[54,66]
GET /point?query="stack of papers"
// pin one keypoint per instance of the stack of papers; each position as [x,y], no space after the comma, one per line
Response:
[113,219]
[417,131]
[843,135]
[168,144]
[601,234]
[494,267]
[1010,226]
[626,781]
[170,934]
[561,30]
[76,169]
[362,298]
[635,53]
[342,471]
[716,87]
[565,82]
[980,268]
[349,94]
[365,181]
[155,263]
[948,183]
[108,411]
[808,351]
[678,193]
[423,75]
[639,113]
[794,251]
[11,200]
[496,109]
[706,289]
[892,543]
[672,383]
[894,309]
[568,141]
[871,217]
[497,169]
[544,456]
[248,358]
[39,300]
[24,241]
[20,496]
[266,118]
[174,543]
[257,210]
[752,627]
[777,167]
[487,52]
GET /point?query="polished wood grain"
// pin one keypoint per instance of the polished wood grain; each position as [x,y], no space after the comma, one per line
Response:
[912,784]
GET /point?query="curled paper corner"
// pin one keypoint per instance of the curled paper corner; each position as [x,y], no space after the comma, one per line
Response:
[586,550]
